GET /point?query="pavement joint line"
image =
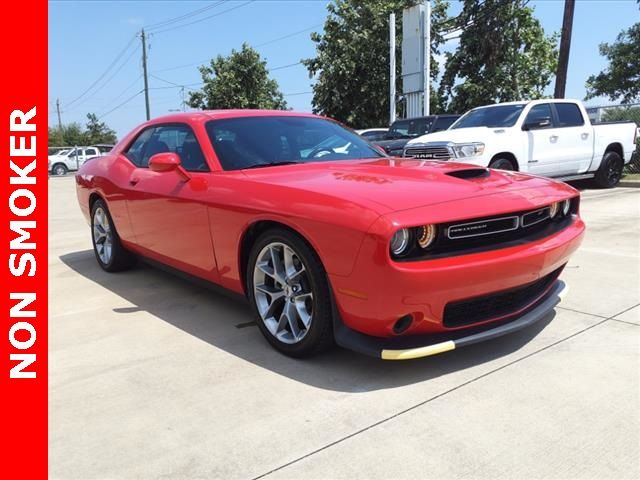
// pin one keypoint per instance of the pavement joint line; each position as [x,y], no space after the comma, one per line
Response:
[435,397]
[583,313]
[624,321]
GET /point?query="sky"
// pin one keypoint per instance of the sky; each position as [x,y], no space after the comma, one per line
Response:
[85,37]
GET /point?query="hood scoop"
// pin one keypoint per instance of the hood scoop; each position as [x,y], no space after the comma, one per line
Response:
[470,173]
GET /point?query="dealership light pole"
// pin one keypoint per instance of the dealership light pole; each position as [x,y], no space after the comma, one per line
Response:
[144,70]
[427,56]
[392,68]
[565,46]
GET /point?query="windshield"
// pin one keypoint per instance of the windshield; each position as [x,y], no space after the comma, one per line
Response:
[249,142]
[410,128]
[492,117]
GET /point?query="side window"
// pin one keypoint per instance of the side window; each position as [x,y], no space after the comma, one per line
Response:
[91,152]
[135,152]
[569,115]
[539,113]
[177,139]
[442,123]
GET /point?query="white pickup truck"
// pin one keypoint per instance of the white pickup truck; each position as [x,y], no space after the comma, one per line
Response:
[72,158]
[553,138]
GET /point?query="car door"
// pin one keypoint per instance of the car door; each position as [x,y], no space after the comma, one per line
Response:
[168,214]
[541,143]
[75,158]
[575,142]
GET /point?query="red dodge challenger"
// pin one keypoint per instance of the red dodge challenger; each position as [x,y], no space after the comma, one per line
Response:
[331,240]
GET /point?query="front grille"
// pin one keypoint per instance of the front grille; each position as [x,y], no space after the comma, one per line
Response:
[497,305]
[428,153]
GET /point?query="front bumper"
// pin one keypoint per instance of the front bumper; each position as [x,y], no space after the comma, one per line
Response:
[410,347]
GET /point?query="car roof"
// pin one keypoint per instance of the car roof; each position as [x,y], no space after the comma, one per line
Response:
[204,115]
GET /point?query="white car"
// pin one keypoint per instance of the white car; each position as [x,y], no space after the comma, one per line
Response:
[552,138]
[373,134]
[70,160]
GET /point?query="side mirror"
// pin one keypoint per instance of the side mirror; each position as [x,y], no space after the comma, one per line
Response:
[168,162]
[541,123]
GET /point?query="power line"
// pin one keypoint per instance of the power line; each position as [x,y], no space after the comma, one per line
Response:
[297,93]
[106,82]
[182,17]
[203,19]
[111,65]
[288,36]
[285,66]
[120,105]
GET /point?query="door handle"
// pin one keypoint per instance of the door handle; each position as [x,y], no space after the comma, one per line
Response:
[553,138]
[584,136]
[134,181]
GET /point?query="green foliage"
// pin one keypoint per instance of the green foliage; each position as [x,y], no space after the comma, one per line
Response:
[73,134]
[503,56]
[98,132]
[240,80]
[351,66]
[621,79]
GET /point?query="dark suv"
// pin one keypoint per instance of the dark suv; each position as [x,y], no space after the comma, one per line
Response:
[401,131]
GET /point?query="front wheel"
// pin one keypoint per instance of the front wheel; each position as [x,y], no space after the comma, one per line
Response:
[610,171]
[59,169]
[110,254]
[502,164]
[289,292]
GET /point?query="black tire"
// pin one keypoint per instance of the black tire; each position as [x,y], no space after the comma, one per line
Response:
[319,336]
[502,163]
[610,171]
[120,258]
[59,169]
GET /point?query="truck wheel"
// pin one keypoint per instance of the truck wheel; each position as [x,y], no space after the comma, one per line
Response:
[610,171]
[110,254]
[59,169]
[288,290]
[502,164]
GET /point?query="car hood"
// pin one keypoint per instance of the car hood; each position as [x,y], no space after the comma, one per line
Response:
[459,135]
[394,184]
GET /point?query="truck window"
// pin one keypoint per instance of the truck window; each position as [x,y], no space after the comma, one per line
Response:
[442,123]
[569,115]
[539,113]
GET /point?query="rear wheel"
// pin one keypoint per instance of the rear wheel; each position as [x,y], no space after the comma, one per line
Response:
[59,169]
[289,293]
[110,253]
[610,171]
[502,164]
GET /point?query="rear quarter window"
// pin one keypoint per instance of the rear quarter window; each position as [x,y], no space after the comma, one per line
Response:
[569,115]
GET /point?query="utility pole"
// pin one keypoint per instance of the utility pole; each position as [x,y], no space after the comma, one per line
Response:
[565,46]
[144,70]
[59,118]
[427,57]
[392,68]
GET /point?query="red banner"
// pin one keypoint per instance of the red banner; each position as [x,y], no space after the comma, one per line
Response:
[23,343]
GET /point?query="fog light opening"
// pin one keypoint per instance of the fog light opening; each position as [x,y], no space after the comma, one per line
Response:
[402,324]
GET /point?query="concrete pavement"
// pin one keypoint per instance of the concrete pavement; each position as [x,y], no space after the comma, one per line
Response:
[153,377]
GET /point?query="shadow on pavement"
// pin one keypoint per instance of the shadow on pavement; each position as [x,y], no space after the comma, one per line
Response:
[226,323]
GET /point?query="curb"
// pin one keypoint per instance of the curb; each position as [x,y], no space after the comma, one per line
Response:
[629,183]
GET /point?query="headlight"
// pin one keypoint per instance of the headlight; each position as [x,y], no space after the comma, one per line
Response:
[554,208]
[464,150]
[426,235]
[400,242]
[566,206]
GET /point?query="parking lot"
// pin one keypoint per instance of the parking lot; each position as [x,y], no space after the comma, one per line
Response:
[151,376]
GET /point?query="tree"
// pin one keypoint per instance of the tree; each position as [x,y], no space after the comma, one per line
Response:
[98,132]
[621,79]
[503,56]
[351,65]
[71,134]
[240,80]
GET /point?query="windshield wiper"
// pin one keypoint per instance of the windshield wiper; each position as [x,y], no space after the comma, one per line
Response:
[272,164]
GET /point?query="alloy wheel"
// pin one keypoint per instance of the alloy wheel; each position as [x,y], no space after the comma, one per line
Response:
[282,292]
[102,236]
